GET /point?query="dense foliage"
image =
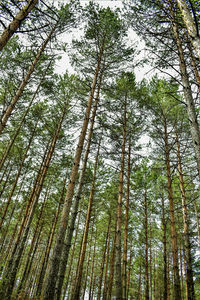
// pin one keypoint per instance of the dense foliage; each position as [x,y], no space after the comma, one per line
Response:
[99,173]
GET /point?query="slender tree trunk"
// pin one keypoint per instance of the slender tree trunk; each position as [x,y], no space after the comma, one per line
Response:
[146,246]
[124,266]
[103,261]
[192,28]
[8,148]
[72,255]
[50,241]
[33,241]
[194,127]
[185,271]
[76,293]
[6,181]
[139,284]
[181,268]
[92,267]
[86,275]
[150,259]
[11,240]
[119,214]
[197,220]
[154,276]
[18,175]
[15,24]
[69,235]
[4,236]
[8,111]
[50,283]
[165,279]
[189,275]
[112,266]
[93,286]
[32,203]
[169,279]
[30,263]
[105,285]
[129,274]
[172,219]
[5,170]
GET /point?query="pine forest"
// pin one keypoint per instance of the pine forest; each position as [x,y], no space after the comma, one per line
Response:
[100,150]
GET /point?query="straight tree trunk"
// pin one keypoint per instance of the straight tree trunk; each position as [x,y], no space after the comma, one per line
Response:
[150,259]
[177,295]
[4,236]
[16,22]
[30,263]
[3,188]
[8,148]
[124,266]
[146,246]
[105,285]
[119,214]
[76,293]
[5,170]
[197,220]
[8,111]
[69,235]
[11,240]
[32,203]
[129,274]
[139,284]
[165,279]
[103,261]
[112,266]
[72,256]
[86,275]
[50,283]
[18,175]
[33,241]
[50,241]
[189,275]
